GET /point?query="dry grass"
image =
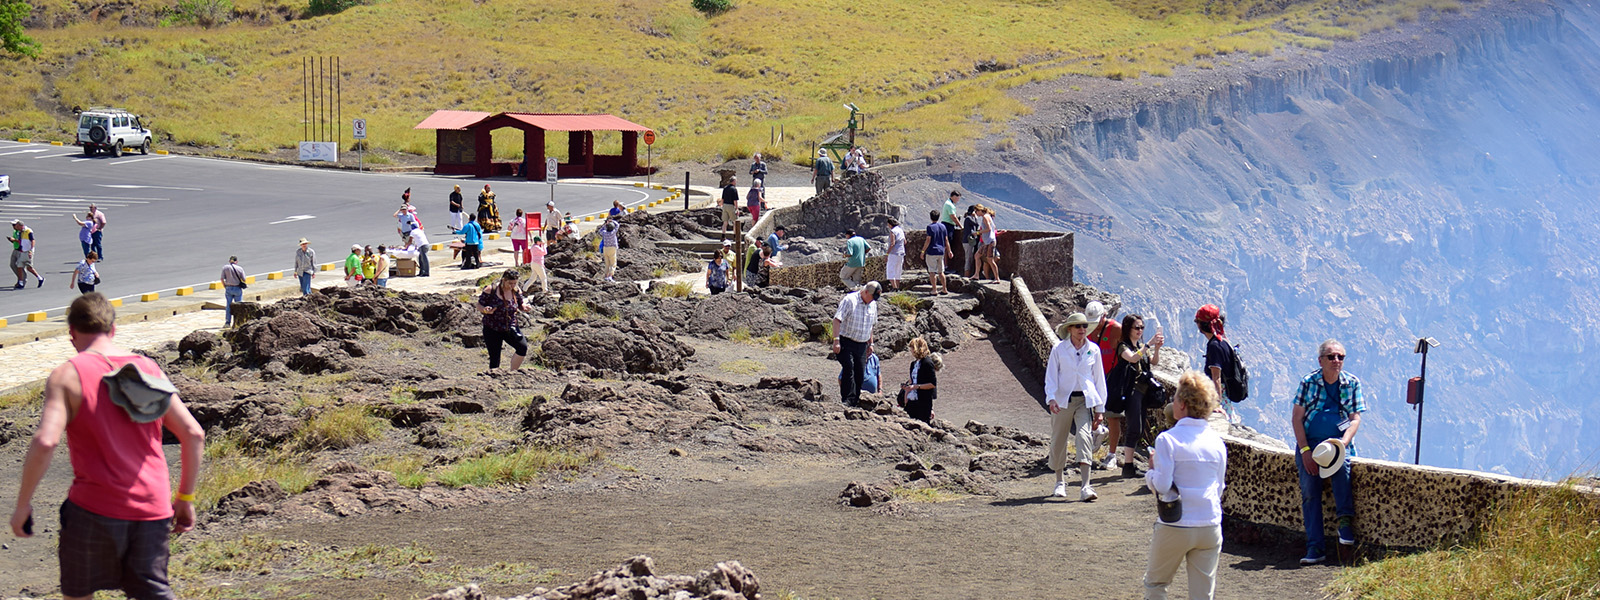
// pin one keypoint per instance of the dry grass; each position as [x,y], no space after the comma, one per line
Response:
[30,396]
[520,466]
[711,87]
[1540,545]
[743,366]
[339,428]
[680,289]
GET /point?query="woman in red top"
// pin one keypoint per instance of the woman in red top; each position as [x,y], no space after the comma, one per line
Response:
[1106,333]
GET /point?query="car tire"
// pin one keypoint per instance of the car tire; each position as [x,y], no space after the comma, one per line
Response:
[116,150]
[88,151]
[145,147]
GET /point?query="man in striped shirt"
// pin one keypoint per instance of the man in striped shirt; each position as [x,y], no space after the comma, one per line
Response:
[852,338]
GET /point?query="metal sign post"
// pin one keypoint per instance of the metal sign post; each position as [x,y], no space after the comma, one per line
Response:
[550,168]
[686,190]
[1414,395]
[649,143]
[358,130]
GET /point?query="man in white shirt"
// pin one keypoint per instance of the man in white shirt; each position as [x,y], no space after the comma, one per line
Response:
[896,254]
[852,338]
[1075,394]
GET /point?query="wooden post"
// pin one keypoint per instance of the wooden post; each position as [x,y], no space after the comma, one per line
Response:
[738,248]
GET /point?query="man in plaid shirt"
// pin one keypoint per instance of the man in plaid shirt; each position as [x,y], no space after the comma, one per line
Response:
[852,338]
[1327,406]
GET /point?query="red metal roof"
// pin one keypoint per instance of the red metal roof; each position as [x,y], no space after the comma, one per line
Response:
[451,119]
[577,122]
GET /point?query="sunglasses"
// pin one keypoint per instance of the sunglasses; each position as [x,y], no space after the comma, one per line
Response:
[1139,328]
[1078,326]
[1338,357]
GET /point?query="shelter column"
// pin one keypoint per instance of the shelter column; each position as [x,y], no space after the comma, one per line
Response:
[533,152]
[483,146]
[630,153]
[588,154]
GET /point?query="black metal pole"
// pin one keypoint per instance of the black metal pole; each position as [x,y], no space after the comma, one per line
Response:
[686,190]
[1421,389]
[305,102]
[338,83]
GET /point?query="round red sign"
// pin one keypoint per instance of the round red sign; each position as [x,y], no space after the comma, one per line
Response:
[649,137]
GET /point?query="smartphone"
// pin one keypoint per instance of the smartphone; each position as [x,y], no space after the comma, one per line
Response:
[1153,324]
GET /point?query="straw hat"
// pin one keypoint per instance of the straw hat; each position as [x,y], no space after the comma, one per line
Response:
[1329,456]
[1072,319]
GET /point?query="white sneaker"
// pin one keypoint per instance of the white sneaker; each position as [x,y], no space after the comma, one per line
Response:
[1061,489]
[1088,495]
[1109,463]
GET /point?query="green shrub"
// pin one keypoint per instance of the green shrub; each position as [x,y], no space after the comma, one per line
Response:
[783,340]
[205,13]
[680,289]
[12,40]
[318,8]
[339,428]
[712,7]
[517,467]
[572,311]
[906,302]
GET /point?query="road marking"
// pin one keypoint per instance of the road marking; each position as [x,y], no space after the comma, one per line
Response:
[24,206]
[123,162]
[292,219]
[57,155]
[152,187]
[82,198]
[28,151]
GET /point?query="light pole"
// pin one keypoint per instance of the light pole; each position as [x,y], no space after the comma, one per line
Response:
[1414,389]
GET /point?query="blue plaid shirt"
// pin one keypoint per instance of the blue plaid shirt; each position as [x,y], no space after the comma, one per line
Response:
[1313,397]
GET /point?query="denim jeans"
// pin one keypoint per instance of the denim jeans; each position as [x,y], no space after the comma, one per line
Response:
[95,245]
[422,262]
[1344,501]
[305,283]
[233,293]
[86,247]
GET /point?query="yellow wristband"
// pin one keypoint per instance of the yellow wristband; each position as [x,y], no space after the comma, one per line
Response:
[183,497]
[1305,448]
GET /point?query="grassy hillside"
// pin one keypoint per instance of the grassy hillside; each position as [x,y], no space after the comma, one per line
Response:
[932,74]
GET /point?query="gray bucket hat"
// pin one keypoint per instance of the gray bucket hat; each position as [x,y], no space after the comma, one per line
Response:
[145,396]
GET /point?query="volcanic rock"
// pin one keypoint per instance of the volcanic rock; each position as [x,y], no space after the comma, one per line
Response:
[636,346]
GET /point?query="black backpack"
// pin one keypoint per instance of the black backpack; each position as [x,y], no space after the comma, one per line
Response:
[1235,380]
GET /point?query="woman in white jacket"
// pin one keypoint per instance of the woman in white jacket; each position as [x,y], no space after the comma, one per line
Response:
[1191,458]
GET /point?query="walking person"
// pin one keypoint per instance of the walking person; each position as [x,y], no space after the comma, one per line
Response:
[456,219]
[98,235]
[500,302]
[988,244]
[923,385]
[1134,372]
[1105,333]
[120,509]
[852,338]
[85,276]
[855,259]
[758,168]
[616,211]
[947,215]
[717,272]
[935,250]
[1075,393]
[756,201]
[822,172]
[1193,460]
[1327,414]
[519,237]
[352,267]
[472,243]
[86,232]
[536,254]
[969,240]
[305,266]
[233,285]
[896,254]
[552,222]
[22,245]
[608,248]
[730,206]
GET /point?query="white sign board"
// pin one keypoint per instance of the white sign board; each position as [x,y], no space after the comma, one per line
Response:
[319,151]
[358,129]
[550,165]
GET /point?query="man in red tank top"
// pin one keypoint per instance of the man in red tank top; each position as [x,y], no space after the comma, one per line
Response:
[118,513]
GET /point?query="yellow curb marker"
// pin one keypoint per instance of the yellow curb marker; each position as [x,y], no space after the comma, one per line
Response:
[275,275]
[430,247]
[35,317]
[638,185]
[250,279]
[25,140]
[161,152]
[588,218]
[117,302]
[150,297]
[493,236]
[184,291]
[2,323]
[326,267]
[55,143]
[215,285]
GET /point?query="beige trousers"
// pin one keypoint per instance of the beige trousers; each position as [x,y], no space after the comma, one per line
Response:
[1075,422]
[1169,545]
[610,261]
[538,273]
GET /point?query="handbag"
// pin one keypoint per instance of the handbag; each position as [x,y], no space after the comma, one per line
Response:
[97,280]
[1170,511]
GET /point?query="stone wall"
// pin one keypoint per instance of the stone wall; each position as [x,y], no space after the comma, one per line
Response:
[819,275]
[860,203]
[1044,257]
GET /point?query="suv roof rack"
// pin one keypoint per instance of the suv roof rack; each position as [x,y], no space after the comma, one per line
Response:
[106,109]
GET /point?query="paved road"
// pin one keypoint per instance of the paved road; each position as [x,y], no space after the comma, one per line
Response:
[173,221]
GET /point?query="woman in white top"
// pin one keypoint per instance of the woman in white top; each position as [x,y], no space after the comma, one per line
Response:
[1193,459]
[85,276]
[1075,395]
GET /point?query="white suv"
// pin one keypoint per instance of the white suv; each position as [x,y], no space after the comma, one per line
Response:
[111,130]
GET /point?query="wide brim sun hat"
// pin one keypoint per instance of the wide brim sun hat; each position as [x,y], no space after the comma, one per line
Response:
[1072,319]
[1329,456]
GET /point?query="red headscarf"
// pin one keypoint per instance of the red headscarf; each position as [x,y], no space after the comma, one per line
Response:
[1213,315]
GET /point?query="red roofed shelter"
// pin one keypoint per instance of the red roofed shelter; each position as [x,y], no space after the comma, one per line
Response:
[466,143]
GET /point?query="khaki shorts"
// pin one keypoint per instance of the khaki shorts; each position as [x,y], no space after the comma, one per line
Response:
[935,263]
[730,213]
[21,260]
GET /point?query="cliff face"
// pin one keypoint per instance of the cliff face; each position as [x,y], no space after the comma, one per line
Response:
[1438,181]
